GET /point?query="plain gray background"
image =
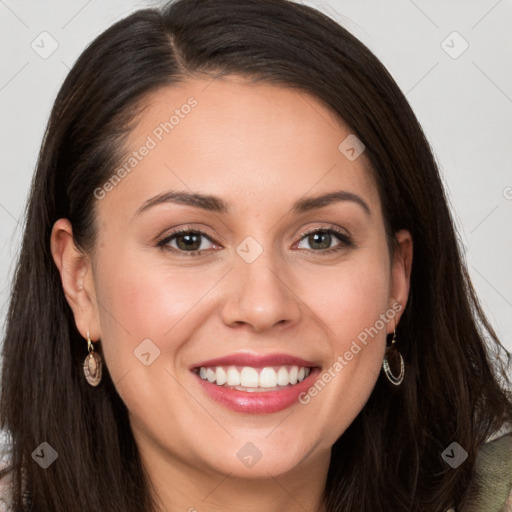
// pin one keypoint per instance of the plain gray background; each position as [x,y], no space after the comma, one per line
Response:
[459,85]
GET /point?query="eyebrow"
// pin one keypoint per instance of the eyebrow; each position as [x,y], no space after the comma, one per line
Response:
[216,204]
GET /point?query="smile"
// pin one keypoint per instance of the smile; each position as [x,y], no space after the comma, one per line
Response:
[251,379]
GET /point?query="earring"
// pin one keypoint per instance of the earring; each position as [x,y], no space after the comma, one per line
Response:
[93,364]
[385,364]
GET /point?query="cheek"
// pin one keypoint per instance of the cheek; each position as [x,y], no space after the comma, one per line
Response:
[351,297]
[140,298]
[356,308]
[351,305]
[144,309]
[139,301]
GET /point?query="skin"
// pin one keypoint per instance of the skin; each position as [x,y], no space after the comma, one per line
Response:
[294,298]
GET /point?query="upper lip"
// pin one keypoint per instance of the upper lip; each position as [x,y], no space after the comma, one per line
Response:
[256,361]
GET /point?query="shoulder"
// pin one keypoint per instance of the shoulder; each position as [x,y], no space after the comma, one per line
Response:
[5,474]
[5,488]
[492,488]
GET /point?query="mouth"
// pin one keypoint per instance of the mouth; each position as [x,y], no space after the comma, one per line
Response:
[254,380]
[256,384]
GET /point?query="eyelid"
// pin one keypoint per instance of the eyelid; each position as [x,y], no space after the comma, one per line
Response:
[184,229]
[325,227]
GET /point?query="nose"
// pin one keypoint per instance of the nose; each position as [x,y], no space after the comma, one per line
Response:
[261,295]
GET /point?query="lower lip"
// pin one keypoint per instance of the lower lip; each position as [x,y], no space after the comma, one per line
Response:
[264,402]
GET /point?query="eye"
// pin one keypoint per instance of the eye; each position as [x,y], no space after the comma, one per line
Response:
[186,241]
[193,242]
[321,240]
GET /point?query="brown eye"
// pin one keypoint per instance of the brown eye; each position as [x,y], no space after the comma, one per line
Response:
[186,241]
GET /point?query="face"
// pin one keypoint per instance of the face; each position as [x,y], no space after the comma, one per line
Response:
[243,274]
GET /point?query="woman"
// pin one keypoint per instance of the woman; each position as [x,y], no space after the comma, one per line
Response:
[240,286]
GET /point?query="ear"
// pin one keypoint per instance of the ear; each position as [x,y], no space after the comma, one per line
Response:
[400,274]
[77,279]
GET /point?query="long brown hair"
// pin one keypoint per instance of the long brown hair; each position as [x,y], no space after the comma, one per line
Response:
[390,456]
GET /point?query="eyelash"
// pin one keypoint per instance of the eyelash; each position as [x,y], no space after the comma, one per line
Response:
[346,241]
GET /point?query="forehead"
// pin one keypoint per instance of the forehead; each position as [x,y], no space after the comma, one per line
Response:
[240,139]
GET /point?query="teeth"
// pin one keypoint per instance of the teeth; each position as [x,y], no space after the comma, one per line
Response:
[249,377]
[233,376]
[221,377]
[252,379]
[268,378]
[283,378]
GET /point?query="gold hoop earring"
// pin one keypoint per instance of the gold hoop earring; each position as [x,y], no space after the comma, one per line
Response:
[385,364]
[93,364]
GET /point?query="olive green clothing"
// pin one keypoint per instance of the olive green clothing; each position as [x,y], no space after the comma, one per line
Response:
[492,488]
